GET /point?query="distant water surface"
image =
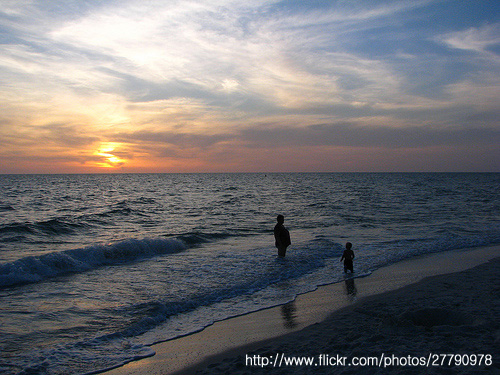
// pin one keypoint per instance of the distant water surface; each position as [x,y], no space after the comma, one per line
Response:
[93,268]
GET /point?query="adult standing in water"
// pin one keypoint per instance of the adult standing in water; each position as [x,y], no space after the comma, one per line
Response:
[282,236]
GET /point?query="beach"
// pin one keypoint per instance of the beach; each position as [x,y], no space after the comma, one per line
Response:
[158,273]
[414,313]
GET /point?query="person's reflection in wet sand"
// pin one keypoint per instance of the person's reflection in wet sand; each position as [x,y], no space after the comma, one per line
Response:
[351,290]
[288,314]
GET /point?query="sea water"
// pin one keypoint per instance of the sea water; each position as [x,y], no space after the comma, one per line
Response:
[96,268]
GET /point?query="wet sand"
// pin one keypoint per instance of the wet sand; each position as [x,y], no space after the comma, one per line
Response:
[363,316]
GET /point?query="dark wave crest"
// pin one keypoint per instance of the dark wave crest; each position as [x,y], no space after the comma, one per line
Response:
[6,207]
[46,227]
[33,269]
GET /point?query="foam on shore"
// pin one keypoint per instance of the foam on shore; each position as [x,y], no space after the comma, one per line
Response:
[365,324]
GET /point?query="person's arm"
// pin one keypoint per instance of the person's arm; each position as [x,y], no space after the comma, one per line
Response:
[285,237]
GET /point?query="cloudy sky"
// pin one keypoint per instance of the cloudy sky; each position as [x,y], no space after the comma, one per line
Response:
[255,85]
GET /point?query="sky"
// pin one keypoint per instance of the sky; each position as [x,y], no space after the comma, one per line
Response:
[91,86]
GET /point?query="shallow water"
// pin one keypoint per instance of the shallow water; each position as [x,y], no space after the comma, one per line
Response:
[95,267]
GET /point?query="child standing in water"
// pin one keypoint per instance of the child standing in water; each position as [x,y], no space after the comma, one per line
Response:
[347,257]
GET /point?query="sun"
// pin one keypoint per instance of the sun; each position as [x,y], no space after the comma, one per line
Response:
[107,156]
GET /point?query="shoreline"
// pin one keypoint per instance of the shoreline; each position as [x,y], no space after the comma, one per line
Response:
[245,333]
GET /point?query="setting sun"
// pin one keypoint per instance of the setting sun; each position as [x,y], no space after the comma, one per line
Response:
[107,159]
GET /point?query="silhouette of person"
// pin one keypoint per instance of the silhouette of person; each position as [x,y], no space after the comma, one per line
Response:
[347,257]
[281,236]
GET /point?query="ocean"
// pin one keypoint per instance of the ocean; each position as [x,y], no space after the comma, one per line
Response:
[95,268]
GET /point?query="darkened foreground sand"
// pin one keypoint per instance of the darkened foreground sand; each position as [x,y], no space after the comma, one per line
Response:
[456,313]
[448,314]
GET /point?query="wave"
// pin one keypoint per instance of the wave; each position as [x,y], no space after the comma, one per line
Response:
[47,227]
[197,238]
[6,207]
[116,211]
[34,269]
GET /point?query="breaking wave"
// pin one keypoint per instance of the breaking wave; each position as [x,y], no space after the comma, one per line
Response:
[34,269]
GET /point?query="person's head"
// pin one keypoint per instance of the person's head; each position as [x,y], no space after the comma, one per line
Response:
[348,245]
[280,219]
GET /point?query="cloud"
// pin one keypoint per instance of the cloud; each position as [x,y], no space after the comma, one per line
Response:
[193,81]
[181,140]
[480,40]
[209,44]
[351,135]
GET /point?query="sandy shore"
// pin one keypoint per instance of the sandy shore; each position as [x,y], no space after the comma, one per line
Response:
[394,311]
